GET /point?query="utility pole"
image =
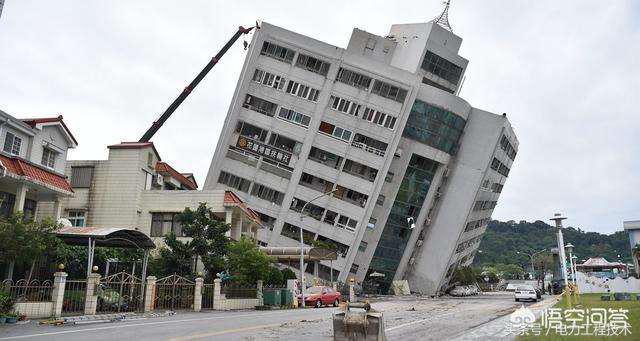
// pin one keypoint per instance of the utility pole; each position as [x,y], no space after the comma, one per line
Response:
[558,218]
[303,286]
[531,255]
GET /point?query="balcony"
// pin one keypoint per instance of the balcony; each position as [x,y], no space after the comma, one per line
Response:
[276,168]
[242,156]
[366,148]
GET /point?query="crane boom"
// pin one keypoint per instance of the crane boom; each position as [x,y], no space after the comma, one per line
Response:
[185,93]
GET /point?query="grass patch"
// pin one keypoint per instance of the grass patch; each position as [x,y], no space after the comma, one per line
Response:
[589,301]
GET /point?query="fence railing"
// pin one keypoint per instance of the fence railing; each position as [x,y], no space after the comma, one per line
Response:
[28,291]
[174,292]
[74,297]
[120,292]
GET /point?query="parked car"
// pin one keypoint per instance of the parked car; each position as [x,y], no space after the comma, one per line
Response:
[525,292]
[319,296]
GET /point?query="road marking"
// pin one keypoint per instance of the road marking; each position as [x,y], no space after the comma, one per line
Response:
[222,332]
[416,322]
[141,324]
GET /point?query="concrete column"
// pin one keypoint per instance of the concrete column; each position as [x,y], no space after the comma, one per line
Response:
[259,291]
[91,296]
[57,294]
[217,286]
[197,294]
[57,209]
[315,273]
[150,294]
[352,294]
[228,218]
[21,195]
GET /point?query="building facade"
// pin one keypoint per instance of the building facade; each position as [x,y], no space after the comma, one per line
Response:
[135,189]
[32,163]
[416,171]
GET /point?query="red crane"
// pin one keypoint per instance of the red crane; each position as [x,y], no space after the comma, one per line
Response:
[185,93]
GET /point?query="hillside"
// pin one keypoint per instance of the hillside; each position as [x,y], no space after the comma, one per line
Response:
[503,239]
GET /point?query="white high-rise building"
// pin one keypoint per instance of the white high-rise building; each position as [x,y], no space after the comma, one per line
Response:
[416,169]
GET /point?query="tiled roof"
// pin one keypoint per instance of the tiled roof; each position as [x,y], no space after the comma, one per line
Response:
[163,167]
[231,198]
[134,145]
[35,121]
[22,168]
[599,262]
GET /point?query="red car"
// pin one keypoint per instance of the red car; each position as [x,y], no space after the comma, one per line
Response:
[319,296]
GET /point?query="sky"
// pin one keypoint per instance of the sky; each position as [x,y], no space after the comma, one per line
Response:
[565,72]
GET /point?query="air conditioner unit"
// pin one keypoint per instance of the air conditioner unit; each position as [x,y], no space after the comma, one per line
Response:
[419,243]
[446,172]
[412,260]
[398,153]
[158,180]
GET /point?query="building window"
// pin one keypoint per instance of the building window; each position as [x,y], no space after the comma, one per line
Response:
[369,145]
[353,78]
[266,193]
[363,246]
[441,67]
[380,200]
[77,218]
[81,177]
[347,223]
[251,131]
[324,157]
[267,220]
[277,52]
[163,223]
[389,91]
[312,64]
[12,144]
[508,148]
[269,79]
[48,157]
[354,268]
[233,181]
[372,223]
[360,170]
[294,117]
[389,177]
[330,129]
[260,105]
[344,105]
[434,126]
[302,91]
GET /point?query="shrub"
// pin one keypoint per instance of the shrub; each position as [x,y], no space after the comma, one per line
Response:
[6,303]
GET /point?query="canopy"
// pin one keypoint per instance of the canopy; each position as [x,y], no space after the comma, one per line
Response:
[105,236]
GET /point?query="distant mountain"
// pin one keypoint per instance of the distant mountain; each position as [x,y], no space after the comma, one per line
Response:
[503,239]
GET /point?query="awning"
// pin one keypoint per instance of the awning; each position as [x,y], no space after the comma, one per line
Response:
[287,253]
[105,236]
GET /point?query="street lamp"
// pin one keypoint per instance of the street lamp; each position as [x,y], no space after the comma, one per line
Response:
[302,284]
[531,255]
[575,267]
[569,248]
[558,218]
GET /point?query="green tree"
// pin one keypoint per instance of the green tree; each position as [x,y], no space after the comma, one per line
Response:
[288,274]
[246,262]
[176,257]
[208,242]
[24,241]
[274,277]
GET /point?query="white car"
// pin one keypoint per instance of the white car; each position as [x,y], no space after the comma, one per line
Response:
[525,292]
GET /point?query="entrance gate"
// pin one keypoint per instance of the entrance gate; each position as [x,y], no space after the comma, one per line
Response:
[120,292]
[174,292]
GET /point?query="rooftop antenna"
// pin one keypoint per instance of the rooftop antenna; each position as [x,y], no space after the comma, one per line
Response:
[443,18]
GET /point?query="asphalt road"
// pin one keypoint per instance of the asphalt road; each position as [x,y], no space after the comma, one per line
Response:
[406,318]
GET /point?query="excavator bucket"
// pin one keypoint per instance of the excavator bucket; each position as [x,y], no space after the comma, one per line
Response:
[358,323]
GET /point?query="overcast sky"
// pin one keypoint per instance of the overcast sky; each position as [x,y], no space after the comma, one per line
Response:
[565,72]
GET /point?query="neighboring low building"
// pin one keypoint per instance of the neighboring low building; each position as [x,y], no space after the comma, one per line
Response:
[135,189]
[32,163]
[600,267]
[633,229]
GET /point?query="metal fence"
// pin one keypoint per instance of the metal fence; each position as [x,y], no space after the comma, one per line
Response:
[174,292]
[232,290]
[74,295]
[207,296]
[28,291]
[120,292]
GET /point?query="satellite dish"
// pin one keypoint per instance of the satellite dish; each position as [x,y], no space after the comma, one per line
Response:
[65,222]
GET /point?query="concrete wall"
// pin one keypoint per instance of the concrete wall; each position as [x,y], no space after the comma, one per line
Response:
[34,310]
[591,284]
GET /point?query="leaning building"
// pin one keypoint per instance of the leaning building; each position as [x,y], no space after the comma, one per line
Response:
[415,170]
